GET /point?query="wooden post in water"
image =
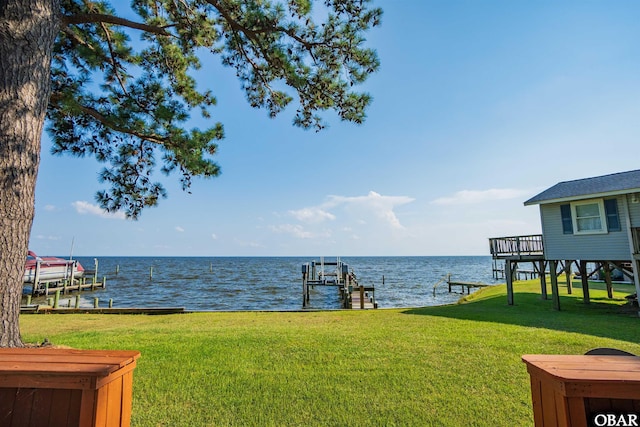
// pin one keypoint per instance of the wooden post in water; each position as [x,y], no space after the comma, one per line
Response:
[361,297]
[110,302]
[56,299]
[95,271]
[77,301]
[151,273]
[305,274]
[28,299]
[96,303]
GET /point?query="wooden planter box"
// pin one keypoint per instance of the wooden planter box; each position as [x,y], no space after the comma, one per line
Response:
[63,387]
[571,391]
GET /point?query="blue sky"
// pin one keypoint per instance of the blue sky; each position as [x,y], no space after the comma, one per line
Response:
[478,105]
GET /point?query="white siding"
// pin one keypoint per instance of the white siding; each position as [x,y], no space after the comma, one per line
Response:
[634,210]
[613,246]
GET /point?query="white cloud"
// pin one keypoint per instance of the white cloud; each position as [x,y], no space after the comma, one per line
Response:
[293,229]
[344,219]
[466,197]
[49,208]
[214,236]
[312,215]
[84,208]
[382,207]
[179,229]
[249,244]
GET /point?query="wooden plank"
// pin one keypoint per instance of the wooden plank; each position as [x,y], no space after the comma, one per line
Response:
[101,407]
[40,351]
[562,415]
[73,416]
[102,381]
[548,400]
[92,369]
[46,381]
[62,403]
[42,407]
[7,399]
[11,360]
[536,399]
[22,407]
[577,412]
[88,402]
[114,402]
[127,393]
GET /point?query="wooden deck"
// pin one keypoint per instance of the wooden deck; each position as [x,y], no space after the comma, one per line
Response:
[523,248]
[467,285]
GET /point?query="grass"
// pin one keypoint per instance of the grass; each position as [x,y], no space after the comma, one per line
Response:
[442,366]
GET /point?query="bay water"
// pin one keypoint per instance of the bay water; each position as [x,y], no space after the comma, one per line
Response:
[273,283]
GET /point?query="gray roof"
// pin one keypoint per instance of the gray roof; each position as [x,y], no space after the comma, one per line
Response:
[599,186]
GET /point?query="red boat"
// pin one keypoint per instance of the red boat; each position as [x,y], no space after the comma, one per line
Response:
[50,269]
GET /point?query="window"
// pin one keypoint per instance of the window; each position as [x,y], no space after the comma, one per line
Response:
[590,217]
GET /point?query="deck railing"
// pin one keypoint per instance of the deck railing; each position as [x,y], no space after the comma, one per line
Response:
[516,246]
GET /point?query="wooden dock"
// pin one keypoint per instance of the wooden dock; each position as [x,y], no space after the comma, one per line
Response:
[67,286]
[362,298]
[47,309]
[464,285]
[352,294]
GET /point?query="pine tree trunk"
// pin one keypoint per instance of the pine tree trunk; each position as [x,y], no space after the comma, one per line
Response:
[27,31]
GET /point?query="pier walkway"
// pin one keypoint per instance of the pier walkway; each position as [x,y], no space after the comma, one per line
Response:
[336,273]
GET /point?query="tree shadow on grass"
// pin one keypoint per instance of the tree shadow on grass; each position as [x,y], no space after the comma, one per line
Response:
[599,318]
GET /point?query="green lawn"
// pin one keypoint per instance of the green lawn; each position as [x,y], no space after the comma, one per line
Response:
[455,365]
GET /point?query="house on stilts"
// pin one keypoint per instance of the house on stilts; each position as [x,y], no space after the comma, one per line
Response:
[587,222]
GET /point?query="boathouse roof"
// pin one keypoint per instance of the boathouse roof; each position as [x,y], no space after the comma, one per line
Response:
[599,186]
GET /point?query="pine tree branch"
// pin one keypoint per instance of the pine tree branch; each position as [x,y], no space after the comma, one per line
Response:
[108,123]
[92,18]
[253,34]
[114,61]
